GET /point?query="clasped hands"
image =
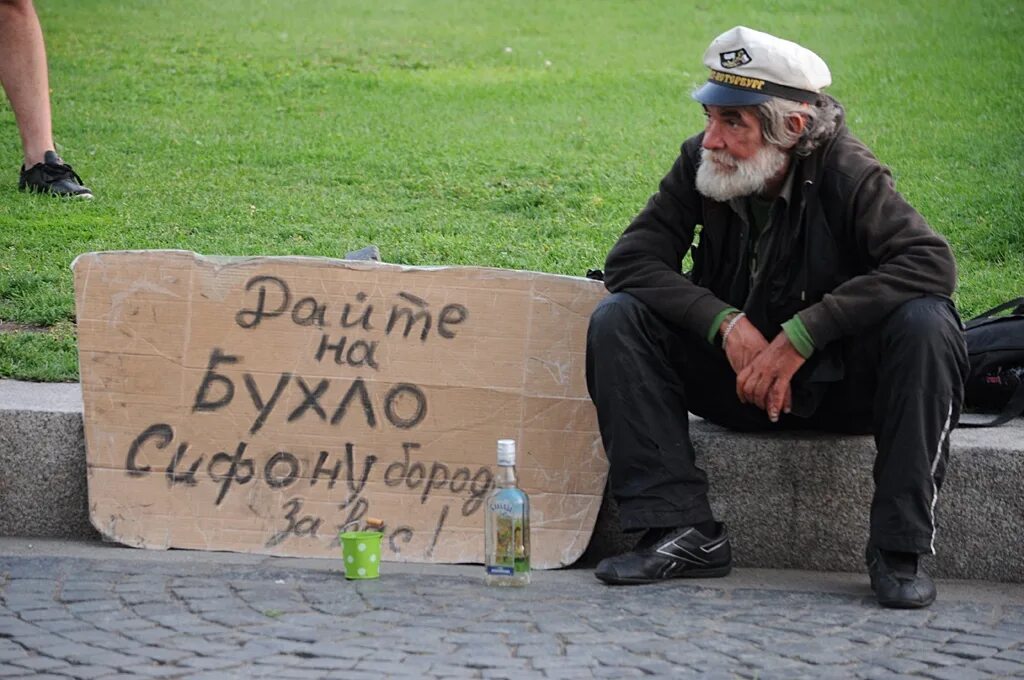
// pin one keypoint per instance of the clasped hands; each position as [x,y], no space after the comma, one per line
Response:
[763,370]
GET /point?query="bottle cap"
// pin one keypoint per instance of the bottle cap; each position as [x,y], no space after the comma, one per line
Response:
[506,452]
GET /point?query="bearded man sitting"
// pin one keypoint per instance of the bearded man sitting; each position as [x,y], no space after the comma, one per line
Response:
[818,299]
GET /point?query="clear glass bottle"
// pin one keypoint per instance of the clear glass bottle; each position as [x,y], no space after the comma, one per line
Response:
[507,525]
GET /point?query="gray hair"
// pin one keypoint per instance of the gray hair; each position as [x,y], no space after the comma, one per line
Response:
[822,120]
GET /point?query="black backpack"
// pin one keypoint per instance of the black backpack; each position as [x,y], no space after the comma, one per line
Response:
[995,347]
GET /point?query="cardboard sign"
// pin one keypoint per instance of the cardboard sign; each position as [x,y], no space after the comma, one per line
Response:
[265,404]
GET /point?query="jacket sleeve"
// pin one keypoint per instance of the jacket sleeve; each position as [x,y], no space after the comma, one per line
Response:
[647,259]
[905,259]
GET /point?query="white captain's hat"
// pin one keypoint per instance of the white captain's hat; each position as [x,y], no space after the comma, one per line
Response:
[748,67]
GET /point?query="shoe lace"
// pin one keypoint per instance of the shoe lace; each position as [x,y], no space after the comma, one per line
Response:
[55,173]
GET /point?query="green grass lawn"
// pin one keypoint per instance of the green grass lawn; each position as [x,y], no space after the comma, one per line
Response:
[509,134]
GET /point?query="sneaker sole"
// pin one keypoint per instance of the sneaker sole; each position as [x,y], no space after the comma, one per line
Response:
[904,604]
[87,195]
[716,572]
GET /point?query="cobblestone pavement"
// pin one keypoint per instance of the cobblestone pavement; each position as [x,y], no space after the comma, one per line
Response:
[93,611]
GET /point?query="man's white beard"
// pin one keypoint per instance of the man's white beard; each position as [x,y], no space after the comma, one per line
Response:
[748,177]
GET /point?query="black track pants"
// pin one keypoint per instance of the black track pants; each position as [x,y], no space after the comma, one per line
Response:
[903,381]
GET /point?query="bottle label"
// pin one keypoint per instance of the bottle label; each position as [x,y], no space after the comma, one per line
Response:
[499,571]
[511,554]
[500,509]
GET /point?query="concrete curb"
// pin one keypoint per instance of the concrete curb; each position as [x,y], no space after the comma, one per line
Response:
[792,501]
[43,487]
[801,501]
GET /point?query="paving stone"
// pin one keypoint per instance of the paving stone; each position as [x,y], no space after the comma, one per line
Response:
[909,645]
[765,661]
[197,645]
[387,668]
[137,584]
[969,651]
[699,659]
[956,625]
[951,673]
[120,622]
[11,626]
[160,654]
[45,614]
[215,675]
[564,627]
[722,674]
[85,672]
[936,658]
[299,674]
[199,606]
[76,596]
[530,651]
[609,672]
[568,673]
[87,635]
[152,610]
[500,674]
[484,660]
[207,629]
[545,662]
[834,672]
[236,619]
[210,663]
[157,671]
[1013,654]
[885,674]
[206,593]
[39,663]
[132,599]
[869,637]
[1003,667]
[303,673]
[931,634]
[995,639]
[66,650]
[152,635]
[108,658]
[180,622]
[63,626]
[901,665]
[21,583]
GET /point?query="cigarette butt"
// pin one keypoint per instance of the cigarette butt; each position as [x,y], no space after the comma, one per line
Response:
[374,522]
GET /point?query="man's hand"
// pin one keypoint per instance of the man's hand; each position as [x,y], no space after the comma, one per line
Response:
[765,382]
[743,344]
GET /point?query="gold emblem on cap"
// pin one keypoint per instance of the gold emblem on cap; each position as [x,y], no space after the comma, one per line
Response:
[737,81]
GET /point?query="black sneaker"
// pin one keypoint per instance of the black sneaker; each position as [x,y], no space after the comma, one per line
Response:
[897,579]
[681,553]
[53,176]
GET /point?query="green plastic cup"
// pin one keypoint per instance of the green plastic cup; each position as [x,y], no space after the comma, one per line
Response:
[361,553]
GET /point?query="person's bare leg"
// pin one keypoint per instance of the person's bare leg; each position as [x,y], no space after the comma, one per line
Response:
[24,76]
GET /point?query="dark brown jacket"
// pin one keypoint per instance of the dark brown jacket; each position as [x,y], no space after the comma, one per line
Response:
[845,249]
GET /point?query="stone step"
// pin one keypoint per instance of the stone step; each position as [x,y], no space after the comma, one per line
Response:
[792,501]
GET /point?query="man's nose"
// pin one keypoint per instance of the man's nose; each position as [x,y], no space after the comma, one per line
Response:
[712,137]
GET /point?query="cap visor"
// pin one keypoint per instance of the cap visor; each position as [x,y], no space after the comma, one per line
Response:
[713,94]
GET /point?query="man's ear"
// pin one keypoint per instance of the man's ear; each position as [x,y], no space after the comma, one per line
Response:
[796,123]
